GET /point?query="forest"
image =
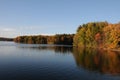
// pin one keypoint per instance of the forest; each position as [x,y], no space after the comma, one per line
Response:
[66,39]
[6,39]
[93,34]
[98,34]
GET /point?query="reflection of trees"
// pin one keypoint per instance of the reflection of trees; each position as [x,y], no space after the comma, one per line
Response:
[98,60]
[57,49]
[63,49]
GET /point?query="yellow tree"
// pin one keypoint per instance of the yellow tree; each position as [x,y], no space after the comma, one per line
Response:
[112,36]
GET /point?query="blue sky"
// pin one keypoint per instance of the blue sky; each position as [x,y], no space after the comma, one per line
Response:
[32,17]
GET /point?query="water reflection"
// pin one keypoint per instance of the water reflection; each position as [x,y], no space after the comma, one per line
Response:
[105,62]
[55,48]
[56,62]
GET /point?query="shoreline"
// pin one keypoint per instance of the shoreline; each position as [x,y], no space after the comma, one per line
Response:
[117,50]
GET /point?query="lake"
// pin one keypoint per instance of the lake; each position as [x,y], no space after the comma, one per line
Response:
[56,62]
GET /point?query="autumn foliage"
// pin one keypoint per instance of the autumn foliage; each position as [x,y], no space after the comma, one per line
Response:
[66,39]
[98,34]
[93,34]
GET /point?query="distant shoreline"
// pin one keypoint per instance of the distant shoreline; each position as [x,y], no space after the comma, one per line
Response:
[6,39]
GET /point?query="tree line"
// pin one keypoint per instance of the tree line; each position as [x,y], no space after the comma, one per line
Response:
[6,39]
[92,34]
[98,34]
[66,39]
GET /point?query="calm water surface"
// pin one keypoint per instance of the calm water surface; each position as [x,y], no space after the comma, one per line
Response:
[54,62]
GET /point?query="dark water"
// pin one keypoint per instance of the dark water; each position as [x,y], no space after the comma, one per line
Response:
[50,62]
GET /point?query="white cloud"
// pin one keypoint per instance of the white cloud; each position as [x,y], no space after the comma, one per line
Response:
[8,32]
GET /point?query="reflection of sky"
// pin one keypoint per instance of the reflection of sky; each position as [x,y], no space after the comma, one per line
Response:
[6,48]
[32,51]
[21,61]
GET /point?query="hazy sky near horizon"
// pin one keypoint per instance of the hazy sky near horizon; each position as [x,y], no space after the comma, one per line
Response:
[32,17]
